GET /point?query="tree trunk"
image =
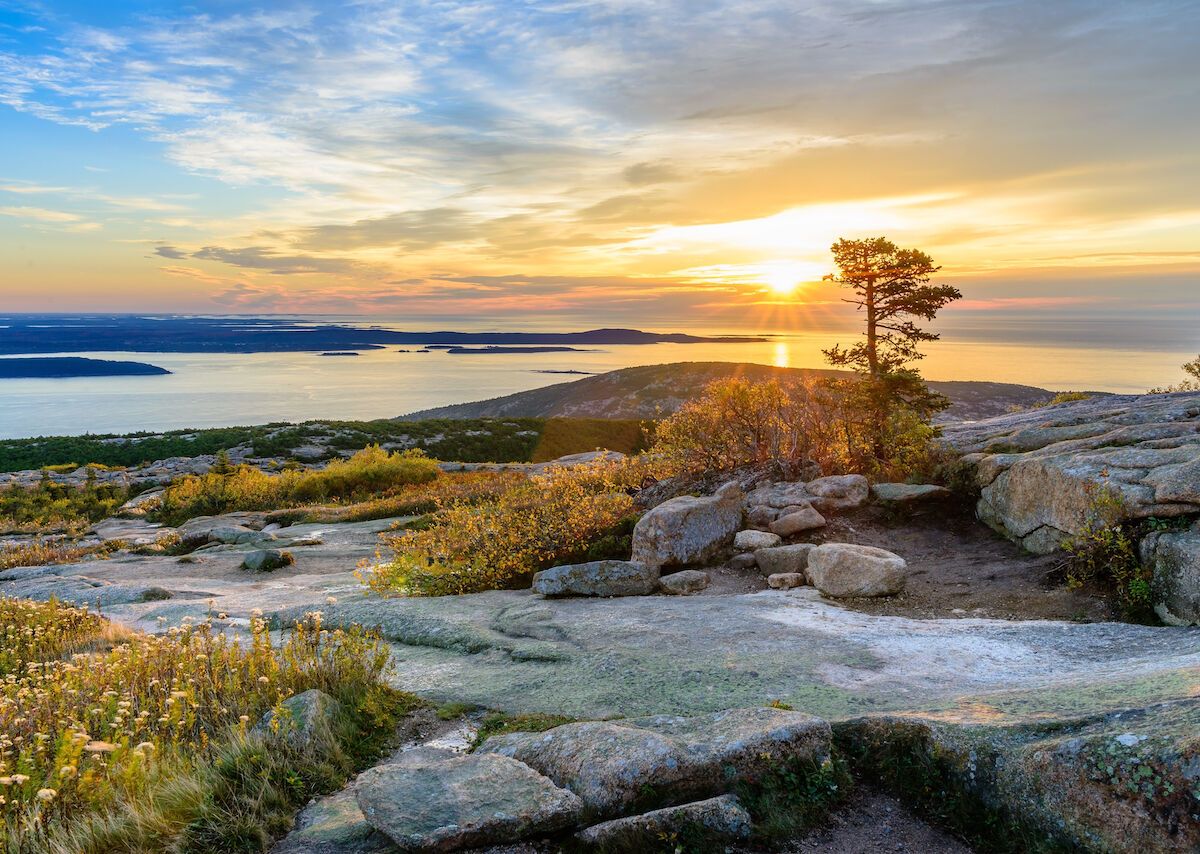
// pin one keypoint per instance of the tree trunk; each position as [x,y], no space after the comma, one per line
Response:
[872,347]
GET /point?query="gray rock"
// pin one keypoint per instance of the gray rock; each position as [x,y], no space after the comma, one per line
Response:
[838,492]
[716,820]
[778,495]
[136,532]
[796,522]
[748,541]
[597,578]
[687,529]
[303,718]
[784,559]
[684,583]
[760,516]
[616,765]
[267,560]
[746,560]
[428,801]
[907,493]
[786,580]
[845,570]
[1039,471]
[1174,559]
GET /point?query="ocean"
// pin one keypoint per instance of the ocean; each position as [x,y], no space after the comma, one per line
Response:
[213,390]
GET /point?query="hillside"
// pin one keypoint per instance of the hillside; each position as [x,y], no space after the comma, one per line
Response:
[647,390]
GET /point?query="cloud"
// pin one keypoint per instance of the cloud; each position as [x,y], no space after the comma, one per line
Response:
[170,252]
[265,258]
[39,214]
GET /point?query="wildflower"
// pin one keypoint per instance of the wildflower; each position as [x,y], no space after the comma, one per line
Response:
[20,779]
[67,771]
[99,747]
[46,794]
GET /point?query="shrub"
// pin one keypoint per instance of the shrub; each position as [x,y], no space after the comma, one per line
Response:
[498,543]
[50,505]
[1192,383]
[840,424]
[563,436]
[145,746]
[369,472]
[1106,550]
[419,498]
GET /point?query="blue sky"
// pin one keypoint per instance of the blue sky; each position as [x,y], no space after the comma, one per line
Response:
[618,161]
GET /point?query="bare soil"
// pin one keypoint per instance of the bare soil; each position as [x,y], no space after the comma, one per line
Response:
[958,567]
[873,821]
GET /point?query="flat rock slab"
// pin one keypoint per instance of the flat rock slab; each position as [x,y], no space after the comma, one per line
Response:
[434,801]
[644,655]
[617,766]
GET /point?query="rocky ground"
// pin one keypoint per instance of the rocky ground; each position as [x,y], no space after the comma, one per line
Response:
[970,661]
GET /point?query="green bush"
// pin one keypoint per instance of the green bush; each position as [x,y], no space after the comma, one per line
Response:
[1105,550]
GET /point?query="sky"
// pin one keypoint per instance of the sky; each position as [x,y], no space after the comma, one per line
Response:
[653,163]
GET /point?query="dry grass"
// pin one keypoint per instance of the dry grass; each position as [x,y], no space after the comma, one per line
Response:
[113,741]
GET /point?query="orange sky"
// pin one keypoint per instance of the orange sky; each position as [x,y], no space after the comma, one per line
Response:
[622,162]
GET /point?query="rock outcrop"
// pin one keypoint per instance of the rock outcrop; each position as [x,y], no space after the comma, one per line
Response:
[784,559]
[1039,471]
[688,529]
[301,719]
[1121,782]
[597,578]
[616,766]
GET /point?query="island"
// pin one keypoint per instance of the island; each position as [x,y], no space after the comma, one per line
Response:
[66,367]
[455,351]
[28,334]
[338,353]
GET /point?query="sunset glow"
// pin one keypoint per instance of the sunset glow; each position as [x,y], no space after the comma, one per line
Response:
[591,163]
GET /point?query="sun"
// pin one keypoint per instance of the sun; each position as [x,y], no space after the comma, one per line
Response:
[785,277]
[782,282]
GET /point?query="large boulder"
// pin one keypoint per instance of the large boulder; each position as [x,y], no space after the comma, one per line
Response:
[435,801]
[748,541]
[844,570]
[688,529]
[617,766]
[784,559]
[1174,559]
[267,560]
[797,520]
[597,578]
[713,821]
[838,492]
[685,582]
[1039,472]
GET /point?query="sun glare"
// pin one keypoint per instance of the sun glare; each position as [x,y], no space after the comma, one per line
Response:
[785,277]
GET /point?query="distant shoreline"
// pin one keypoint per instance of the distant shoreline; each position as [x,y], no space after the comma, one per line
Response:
[45,333]
[73,367]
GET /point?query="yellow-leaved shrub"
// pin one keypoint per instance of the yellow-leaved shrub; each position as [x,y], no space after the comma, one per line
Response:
[547,519]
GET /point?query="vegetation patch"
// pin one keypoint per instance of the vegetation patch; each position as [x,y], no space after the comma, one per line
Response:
[225,489]
[49,505]
[45,552]
[503,723]
[563,436]
[113,741]
[794,796]
[499,543]
[1106,550]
